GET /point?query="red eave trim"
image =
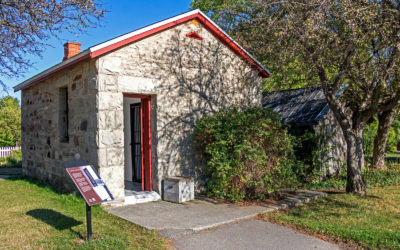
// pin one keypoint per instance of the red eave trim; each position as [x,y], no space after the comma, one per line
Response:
[207,24]
[56,70]
[140,36]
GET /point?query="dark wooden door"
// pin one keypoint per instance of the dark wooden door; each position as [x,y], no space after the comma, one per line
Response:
[136,146]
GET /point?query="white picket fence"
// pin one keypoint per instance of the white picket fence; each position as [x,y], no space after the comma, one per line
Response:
[4,151]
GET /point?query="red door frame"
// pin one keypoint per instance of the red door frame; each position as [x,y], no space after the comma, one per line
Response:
[145,120]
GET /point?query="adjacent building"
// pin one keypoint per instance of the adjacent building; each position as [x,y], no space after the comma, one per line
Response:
[306,110]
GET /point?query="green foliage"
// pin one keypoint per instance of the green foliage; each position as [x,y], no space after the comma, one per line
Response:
[382,178]
[217,10]
[309,154]
[370,132]
[14,160]
[373,178]
[10,122]
[394,136]
[284,76]
[312,151]
[249,152]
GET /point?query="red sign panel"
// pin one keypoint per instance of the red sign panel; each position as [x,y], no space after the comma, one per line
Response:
[91,187]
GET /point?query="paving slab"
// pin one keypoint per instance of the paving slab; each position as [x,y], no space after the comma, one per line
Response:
[251,234]
[199,214]
[194,215]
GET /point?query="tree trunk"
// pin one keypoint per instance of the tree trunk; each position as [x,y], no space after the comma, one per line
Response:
[386,119]
[355,162]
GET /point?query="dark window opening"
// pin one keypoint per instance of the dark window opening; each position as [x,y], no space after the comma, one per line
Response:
[63,115]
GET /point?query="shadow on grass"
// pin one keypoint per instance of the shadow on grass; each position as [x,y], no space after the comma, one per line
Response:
[42,184]
[11,171]
[55,219]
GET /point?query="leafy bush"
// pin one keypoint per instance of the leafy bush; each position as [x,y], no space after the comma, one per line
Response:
[14,160]
[382,177]
[311,152]
[249,152]
[373,178]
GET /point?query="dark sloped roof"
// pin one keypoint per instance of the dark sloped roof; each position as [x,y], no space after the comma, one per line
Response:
[298,106]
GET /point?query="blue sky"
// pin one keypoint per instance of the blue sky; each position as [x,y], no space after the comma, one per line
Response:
[122,17]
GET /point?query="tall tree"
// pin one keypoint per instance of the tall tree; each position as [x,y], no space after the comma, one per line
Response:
[344,43]
[385,121]
[283,76]
[26,26]
[10,122]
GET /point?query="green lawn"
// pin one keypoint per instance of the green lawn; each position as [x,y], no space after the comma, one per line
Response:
[372,221]
[34,216]
[393,155]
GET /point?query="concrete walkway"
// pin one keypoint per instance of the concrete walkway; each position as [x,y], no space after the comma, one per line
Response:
[199,214]
[251,234]
[229,226]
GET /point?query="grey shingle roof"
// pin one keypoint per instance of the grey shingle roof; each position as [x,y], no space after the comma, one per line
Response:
[302,106]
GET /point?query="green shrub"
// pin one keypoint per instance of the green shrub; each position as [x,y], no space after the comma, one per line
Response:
[382,178]
[14,160]
[249,153]
[373,178]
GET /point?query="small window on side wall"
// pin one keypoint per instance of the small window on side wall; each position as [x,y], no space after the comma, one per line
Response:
[63,116]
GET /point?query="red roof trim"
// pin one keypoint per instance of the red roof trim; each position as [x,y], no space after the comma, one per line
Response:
[140,36]
[55,71]
[207,24]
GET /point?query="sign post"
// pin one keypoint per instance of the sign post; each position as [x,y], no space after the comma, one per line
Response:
[89,221]
[91,187]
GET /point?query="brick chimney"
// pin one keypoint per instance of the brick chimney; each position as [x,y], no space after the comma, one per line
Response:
[71,49]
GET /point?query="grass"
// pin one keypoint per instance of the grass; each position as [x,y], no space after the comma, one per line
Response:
[35,216]
[372,221]
[393,155]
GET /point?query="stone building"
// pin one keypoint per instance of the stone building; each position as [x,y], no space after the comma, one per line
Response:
[306,109]
[128,105]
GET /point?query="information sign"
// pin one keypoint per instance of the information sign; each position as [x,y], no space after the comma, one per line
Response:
[89,184]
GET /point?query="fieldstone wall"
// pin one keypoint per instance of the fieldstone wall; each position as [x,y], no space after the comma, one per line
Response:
[44,154]
[186,78]
[332,145]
